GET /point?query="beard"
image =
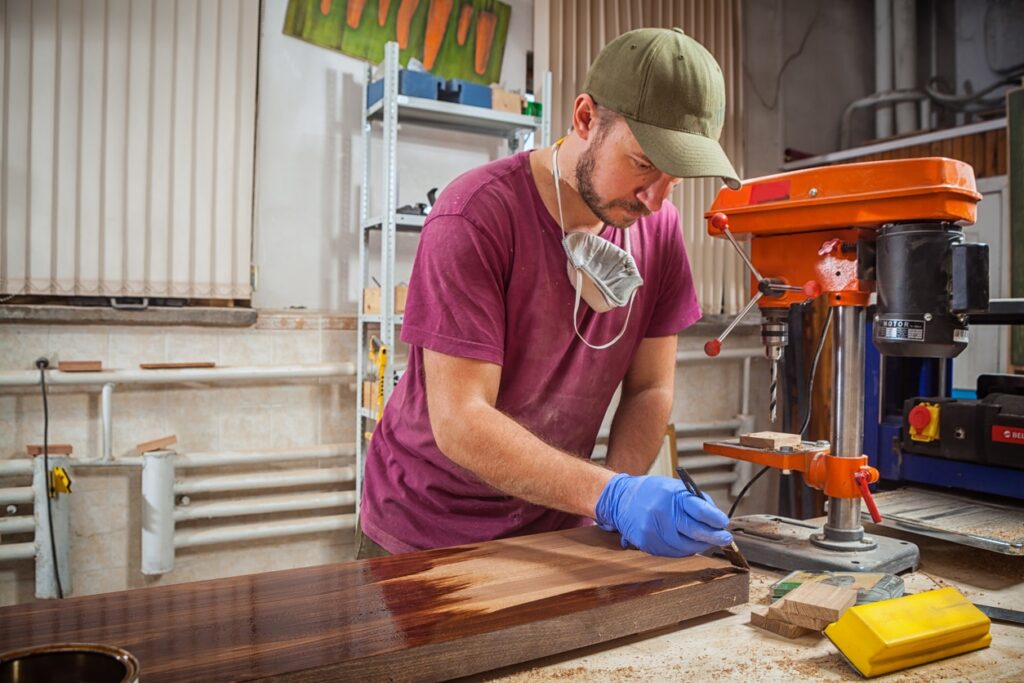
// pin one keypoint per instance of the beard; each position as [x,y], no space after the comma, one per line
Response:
[585,167]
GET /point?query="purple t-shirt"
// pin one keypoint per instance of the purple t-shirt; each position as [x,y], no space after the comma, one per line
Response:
[489,283]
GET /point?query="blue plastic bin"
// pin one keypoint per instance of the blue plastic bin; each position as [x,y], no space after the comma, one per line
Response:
[464,92]
[411,83]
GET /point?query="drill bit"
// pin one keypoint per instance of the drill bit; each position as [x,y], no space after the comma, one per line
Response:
[730,551]
[773,389]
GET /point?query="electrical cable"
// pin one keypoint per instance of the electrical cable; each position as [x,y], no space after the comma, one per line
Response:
[807,417]
[814,369]
[42,364]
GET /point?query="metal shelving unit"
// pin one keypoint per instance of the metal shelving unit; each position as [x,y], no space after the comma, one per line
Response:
[391,110]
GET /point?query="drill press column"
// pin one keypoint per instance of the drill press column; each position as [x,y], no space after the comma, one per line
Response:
[843,527]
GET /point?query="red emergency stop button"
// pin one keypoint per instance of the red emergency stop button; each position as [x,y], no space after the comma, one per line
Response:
[920,417]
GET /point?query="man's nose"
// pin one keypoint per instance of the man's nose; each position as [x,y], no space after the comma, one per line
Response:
[656,192]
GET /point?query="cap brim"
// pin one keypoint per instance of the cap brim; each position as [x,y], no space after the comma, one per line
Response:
[684,155]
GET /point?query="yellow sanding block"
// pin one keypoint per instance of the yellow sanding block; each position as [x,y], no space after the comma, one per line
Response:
[881,637]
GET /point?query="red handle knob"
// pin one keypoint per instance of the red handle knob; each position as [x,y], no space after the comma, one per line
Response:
[713,348]
[720,221]
[862,481]
[812,290]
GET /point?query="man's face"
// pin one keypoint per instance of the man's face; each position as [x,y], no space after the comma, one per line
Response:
[616,179]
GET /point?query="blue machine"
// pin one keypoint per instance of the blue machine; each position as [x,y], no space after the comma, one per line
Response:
[905,378]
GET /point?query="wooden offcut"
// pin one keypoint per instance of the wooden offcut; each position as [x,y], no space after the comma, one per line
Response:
[184,365]
[156,444]
[425,616]
[759,617]
[80,365]
[817,602]
[771,440]
[35,449]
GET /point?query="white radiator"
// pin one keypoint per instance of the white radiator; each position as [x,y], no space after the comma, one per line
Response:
[568,36]
[127,137]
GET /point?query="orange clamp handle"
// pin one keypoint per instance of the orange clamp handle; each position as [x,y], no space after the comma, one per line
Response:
[862,478]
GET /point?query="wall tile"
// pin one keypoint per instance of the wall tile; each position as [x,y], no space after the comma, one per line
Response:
[20,345]
[130,346]
[296,347]
[193,345]
[246,348]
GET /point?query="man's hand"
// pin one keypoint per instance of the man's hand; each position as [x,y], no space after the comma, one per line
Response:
[659,516]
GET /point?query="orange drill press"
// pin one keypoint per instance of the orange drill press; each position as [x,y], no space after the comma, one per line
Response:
[845,232]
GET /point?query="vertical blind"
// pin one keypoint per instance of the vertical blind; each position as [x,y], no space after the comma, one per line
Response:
[127,137]
[578,29]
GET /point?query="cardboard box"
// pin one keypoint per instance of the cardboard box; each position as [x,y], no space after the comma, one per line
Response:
[372,303]
[503,100]
[370,394]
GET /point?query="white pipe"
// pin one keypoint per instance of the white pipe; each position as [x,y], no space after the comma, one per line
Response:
[718,479]
[16,496]
[267,480]
[16,467]
[883,65]
[259,505]
[106,402]
[157,512]
[28,378]
[16,525]
[214,459]
[745,389]
[700,427]
[700,462]
[695,355]
[17,551]
[690,445]
[904,37]
[245,532]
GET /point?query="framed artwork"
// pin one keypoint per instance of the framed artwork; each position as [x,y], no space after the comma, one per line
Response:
[452,38]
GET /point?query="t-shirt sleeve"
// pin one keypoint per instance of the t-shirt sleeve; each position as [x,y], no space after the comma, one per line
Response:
[456,301]
[676,307]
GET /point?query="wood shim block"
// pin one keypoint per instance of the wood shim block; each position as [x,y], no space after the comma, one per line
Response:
[776,613]
[759,617]
[156,444]
[818,601]
[35,449]
[772,440]
[80,365]
[423,616]
[177,366]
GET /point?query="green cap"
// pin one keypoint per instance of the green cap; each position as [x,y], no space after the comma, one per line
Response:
[671,92]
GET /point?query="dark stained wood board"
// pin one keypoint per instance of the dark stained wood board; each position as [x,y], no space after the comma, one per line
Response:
[431,615]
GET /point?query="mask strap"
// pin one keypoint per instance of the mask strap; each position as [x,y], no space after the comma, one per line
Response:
[576,314]
[558,184]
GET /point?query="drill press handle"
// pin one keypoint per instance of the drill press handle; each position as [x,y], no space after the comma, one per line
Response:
[765,286]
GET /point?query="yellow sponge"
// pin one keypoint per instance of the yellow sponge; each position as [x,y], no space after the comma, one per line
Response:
[881,637]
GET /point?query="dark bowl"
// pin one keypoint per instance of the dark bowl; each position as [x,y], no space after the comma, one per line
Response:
[81,663]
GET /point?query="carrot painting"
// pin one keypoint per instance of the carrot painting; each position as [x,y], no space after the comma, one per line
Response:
[406,9]
[465,16]
[462,39]
[355,12]
[485,24]
[437,24]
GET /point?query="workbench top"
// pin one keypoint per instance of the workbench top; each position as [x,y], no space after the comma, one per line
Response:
[725,647]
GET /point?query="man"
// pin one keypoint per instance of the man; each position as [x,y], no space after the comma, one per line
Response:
[541,282]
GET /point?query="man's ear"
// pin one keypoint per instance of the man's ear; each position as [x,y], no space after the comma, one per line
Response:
[584,116]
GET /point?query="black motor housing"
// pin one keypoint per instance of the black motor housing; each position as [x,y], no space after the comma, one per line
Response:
[927,280]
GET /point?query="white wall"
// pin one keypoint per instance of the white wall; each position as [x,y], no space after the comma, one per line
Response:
[309,164]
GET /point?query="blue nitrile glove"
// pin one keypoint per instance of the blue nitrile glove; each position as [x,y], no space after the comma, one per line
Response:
[659,516]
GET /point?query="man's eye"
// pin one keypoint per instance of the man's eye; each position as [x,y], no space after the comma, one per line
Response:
[643,166]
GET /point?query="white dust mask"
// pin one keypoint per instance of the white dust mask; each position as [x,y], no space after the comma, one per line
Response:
[604,276]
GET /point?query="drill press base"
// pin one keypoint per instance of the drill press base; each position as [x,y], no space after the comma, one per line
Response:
[785,543]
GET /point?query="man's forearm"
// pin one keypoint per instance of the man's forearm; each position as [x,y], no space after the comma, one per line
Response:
[507,456]
[637,430]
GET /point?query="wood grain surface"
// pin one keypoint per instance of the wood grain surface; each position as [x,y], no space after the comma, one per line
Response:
[430,615]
